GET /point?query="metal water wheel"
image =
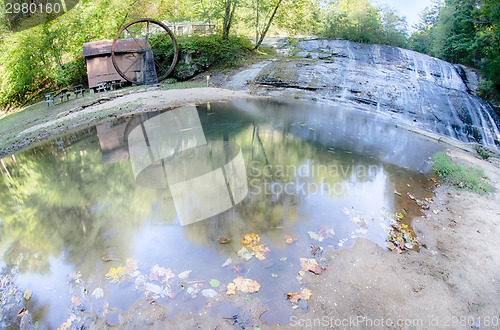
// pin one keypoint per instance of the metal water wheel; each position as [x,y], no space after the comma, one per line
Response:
[144,51]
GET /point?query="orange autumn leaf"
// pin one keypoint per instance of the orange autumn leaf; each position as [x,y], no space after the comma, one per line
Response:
[223,240]
[288,239]
[303,294]
[311,265]
[252,239]
[242,284]
[231,289]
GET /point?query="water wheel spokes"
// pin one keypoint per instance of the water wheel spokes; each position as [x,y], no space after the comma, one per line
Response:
[144,48]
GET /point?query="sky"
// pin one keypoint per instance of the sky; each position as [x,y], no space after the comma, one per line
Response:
[408,8]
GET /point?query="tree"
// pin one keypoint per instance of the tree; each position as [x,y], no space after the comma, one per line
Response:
[229,8]
[268,25]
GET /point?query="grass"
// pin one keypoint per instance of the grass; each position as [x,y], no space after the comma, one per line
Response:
[460,175]
[184,84]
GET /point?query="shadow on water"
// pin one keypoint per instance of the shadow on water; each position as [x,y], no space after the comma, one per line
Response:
[93,222]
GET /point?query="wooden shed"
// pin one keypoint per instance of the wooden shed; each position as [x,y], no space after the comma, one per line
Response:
[99,64]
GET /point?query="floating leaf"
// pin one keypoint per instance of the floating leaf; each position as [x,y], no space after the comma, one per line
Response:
[311,265]
[244,253]
[115,273]
[185,274]
[303,294]
[223,240]
[436,211]
[231,288]
[27,294]
[209,293]
[288,239]
[346,211]
[251,239]
[131,267]
[76,300]
[98,293]
[326,232]
[244,285]
[214,283]
[227,262]
[160,274]
[315,236]
[21,312]
[274,275]
[301,275]
[283,258]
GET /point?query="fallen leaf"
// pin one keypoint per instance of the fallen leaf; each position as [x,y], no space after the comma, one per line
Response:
[326,232]
[301,275]
[288,239]
[223,240]
[436,211]
[153,288]
[76,300]
[346,211]
[252,241]
[315,236]
[231,288]
[227,262]
[130,267]
[21,312]
[244,253]
[252,238]
[303,294]
[244,285]
[274,275]
[27,294]
[160,274]
[311,265]
[214,283]
[185,274]
[115,273]
[237,269]
[98,293]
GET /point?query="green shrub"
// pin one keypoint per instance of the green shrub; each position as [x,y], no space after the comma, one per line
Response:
[460,175]
[205,50]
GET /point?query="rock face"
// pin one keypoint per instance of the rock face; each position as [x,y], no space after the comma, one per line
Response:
[414,88]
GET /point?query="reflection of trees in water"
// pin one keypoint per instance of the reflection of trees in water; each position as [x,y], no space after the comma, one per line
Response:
[69,202]
[273,157]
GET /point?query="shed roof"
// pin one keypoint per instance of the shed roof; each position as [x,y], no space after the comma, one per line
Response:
[103,47]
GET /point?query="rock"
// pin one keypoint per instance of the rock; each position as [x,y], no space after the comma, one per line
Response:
[63,114]
[415,89]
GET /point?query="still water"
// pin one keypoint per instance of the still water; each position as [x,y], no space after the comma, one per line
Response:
[136,208]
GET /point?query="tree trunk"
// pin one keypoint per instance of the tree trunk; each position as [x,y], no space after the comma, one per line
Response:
[263,34]
[257,22]
[228,17]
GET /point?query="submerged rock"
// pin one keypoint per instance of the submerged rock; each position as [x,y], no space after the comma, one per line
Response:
[416,89]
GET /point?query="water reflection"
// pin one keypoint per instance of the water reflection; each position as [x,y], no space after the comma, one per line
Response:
[170,151]
[72,209]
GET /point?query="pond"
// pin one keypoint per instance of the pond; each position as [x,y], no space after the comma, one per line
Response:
[173,206]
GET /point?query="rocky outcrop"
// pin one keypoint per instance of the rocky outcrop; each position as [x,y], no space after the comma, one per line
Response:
[414,88]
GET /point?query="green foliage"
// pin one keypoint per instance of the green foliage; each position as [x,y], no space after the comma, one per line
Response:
[460,175]
[464,31]
[206,50]
[360,21]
